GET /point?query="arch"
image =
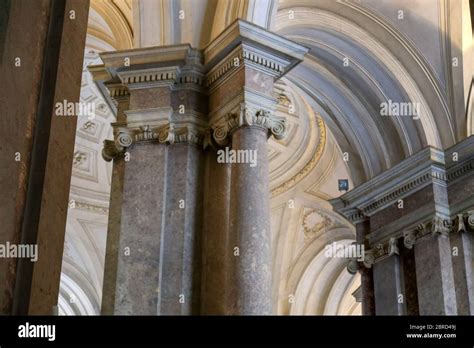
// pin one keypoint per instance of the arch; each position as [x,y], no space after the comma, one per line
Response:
[349,98]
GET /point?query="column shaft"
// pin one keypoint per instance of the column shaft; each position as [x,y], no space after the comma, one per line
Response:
[366,274]
[250,226]
[389,287]
[216,249]
[434,274]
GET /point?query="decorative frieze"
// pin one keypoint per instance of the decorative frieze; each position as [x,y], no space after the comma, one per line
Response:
[148,78]
[249,117]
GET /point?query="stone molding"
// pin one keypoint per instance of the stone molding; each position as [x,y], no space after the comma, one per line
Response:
[414,173]
[245,56]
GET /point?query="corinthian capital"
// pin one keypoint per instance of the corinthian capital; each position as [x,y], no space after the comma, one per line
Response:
[249,117]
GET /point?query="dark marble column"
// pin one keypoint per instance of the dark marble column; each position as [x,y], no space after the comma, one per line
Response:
[41,55]
[366,274]
[389,287]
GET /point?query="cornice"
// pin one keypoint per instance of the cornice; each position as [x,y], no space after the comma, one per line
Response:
[243,32]
[408,176]
[245,56]
[149,78]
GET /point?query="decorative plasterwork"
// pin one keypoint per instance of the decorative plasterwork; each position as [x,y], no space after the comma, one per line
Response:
[330,22]
[149,78]
[314,221]
[309,166]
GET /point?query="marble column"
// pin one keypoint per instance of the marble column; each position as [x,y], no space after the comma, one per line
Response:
[186,106]
[436,291]
[122,97]
[41,55]
[250,225]
[366,274]
[160,146]
[462,244]
[242,64]
[216,251]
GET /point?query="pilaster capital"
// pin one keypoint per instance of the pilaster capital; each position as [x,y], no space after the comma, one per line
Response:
[170,133]
[248,117]
[116,148]
[381,251]
[463,222]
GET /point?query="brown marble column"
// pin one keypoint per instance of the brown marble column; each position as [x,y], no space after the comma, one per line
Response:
[38,70]
[122,97]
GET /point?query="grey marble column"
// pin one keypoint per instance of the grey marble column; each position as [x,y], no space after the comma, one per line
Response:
[250,226]
[153,246]
[180,271]
[434,275]
[140,250]
[462,246]
[389,288]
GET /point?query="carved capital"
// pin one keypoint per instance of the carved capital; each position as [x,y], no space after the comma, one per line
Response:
[369,258]
[170,133]
[409,239]
[249,117]
[116,148]
[393,247]
[463,222]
